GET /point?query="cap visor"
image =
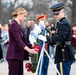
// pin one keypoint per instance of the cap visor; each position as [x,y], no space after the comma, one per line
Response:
[56,12]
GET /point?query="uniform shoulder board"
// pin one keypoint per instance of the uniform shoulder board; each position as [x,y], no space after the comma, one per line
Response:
[64,22]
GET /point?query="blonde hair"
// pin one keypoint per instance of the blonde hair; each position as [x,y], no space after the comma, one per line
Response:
[19,10]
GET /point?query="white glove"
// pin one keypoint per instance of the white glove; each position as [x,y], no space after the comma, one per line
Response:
[41,37]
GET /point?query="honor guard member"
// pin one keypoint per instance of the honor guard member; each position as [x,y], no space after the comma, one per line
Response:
[39,30]
[45,60]
[64,56]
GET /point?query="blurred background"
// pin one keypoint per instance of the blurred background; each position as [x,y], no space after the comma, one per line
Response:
[36,7]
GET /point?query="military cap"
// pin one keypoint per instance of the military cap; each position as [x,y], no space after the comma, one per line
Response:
[56,8]
[42,17]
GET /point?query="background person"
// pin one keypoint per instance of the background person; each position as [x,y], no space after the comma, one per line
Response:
[52,47]
[1,51]
[73,39]
[27,29]
[5,39]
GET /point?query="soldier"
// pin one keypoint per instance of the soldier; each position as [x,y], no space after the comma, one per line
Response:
[45,60]
[64,56]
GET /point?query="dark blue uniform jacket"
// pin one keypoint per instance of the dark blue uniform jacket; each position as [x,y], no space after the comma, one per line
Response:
[62,35]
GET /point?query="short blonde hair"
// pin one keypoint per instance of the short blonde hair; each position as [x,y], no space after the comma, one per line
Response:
[19,10]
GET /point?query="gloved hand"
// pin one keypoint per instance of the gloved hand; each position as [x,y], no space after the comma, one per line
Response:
[49,41]
[41,37]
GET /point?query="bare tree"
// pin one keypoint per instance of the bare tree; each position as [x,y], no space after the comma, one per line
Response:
[1,12]
[74,12]
[39,7]
[5,11]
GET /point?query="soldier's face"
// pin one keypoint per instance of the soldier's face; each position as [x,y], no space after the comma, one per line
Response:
[59,16]
[56,17]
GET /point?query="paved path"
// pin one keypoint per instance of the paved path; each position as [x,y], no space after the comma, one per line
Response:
[51,70]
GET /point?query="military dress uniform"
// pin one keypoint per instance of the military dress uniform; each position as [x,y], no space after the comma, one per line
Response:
[64,52]
[45,59]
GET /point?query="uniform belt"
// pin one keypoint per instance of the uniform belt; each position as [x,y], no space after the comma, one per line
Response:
[65,43]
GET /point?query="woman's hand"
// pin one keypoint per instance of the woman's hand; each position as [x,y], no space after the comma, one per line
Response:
[33,51]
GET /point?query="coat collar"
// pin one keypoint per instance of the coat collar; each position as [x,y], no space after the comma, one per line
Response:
[61,19]
[15,22]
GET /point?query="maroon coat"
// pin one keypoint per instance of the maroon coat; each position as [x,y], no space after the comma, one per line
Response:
[17,43]
[73,40]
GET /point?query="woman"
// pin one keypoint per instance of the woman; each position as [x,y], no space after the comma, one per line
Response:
[18,45]
[52,46]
